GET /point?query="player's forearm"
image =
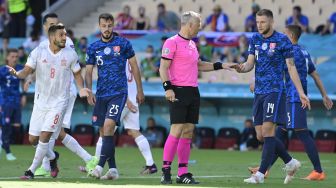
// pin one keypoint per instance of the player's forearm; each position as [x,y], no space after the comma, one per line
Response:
[319,85]
[88,79]
[137,78]
[295,79]
[79,80]
[22,74]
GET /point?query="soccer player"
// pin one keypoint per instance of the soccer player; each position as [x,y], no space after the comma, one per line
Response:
[110,54]
[54,64]
[91,161]
[11,96]
[269,52]
[179,68]
[296,116]
[130,119]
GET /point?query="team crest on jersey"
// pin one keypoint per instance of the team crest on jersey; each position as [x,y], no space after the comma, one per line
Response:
[107,50]
[264,46]
[116,50]
[44,61]
[272,45]
[63,62]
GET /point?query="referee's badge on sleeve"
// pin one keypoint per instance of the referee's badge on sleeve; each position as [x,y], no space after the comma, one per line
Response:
[166,51]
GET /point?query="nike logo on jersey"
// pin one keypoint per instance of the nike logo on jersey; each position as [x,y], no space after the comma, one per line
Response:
[268,116]
[97,51]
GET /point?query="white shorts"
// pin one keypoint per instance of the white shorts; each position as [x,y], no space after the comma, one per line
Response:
[45,120]
[68,112]
[129,119]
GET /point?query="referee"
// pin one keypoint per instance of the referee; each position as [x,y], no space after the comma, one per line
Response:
[179,68]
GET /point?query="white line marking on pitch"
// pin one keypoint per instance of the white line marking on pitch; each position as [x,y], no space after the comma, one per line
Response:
[130,177]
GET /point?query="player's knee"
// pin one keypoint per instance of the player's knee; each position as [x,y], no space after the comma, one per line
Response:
[33,140]
[133,133]
[62,134]
[260,138]
[188,132]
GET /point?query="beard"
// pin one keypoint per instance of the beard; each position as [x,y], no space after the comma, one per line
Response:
[266,31]
[107,36]
[60,44]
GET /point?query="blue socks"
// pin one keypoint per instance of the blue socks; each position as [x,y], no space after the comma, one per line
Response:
[268,153]
[310,148]
[107,152]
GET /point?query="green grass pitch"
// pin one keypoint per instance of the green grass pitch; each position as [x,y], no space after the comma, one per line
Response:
[213,168]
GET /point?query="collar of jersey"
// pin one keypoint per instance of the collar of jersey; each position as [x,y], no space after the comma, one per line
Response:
[269,36]
[52,53]
[182,37]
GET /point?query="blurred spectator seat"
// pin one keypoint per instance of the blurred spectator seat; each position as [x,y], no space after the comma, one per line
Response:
[205,137]
[325,140]
[227,138]
[83,133]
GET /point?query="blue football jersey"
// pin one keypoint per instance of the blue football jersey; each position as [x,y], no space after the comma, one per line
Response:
[10,86]
[270,55]
[304,66]
[110,58]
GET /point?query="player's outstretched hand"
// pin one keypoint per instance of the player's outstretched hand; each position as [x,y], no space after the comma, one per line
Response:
[84,92]
[131,106]
[304,101]
[239,67]
[229,66]
[91,99]
[26,85]
[327,102]
[252,87]
[140,97]
[11,70]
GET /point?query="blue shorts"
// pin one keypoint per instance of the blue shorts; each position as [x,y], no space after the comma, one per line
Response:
[269,108]
[108,108]
[11,114]
[296,116]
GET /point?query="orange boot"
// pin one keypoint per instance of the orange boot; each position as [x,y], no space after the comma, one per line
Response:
[315,176]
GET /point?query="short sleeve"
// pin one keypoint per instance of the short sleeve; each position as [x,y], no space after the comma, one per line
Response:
[70,43]
[226,19]
[311,67]
[208,20]
[333,18]
[75,64]
[251,48]
[129,52]
[305,21]
[32,59]
[168,49]
[90,57]
[287,48]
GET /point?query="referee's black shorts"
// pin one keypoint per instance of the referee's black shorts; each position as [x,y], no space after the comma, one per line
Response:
[186,109]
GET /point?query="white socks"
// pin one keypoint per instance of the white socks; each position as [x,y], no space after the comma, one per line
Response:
[99,146]
[40,153]
[74,146]
[145,150]
[50,155]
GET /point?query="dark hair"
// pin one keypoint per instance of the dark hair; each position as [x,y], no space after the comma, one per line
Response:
[249,121]
[295,30]
[161,5]
[297,8]
[150,46]
[70,32]
[265,12]
[50,15]
[106,16]
[52,29]
[12,50]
